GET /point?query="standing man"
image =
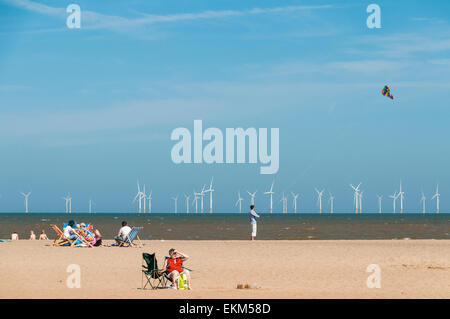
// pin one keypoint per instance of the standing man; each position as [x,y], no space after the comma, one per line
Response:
[253,215]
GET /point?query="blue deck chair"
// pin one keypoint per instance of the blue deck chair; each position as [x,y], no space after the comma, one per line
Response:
[128,241]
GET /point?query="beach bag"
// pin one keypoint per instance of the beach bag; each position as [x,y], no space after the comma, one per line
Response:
[182,282]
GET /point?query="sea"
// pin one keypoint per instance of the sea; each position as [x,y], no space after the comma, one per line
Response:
[236,226]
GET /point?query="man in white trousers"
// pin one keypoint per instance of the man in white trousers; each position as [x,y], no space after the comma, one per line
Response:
[253,215]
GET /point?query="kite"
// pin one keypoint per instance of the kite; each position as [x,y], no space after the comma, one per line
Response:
[387,92]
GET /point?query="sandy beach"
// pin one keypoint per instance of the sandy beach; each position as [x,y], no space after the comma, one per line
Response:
[282,269]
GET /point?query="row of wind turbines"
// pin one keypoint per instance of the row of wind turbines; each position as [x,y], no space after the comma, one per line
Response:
[141,197]
[358,195]
[67,199]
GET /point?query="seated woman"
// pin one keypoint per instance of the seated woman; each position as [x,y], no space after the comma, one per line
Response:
[173,266]
[43,236]
[98,238]
[32,235]
[85,231]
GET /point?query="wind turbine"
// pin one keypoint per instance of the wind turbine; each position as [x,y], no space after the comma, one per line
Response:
[356,196]
[149,197]
[144,197]
[139,197]
[90,206]
[294,199]
[360,202]
[270,192]
[26,200]
[202,195]
[284,201]
[239,201]
[331,203]
[394,198]
[252,195]
[437,195]
[187,203]
[67,203]
[196,197]
[402,194]
[423,199]
[210,190]
[380,197]
[68,200]
[319,199]
[176,203]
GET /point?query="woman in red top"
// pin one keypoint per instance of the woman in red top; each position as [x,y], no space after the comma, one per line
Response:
[173,266]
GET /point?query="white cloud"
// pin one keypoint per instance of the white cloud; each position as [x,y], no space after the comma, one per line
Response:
[100,21]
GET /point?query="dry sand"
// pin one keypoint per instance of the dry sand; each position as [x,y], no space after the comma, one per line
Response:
[282,269]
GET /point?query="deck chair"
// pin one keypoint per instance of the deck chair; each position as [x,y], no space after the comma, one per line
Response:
[80,240]
[128,241]
[60,239]
[151,273]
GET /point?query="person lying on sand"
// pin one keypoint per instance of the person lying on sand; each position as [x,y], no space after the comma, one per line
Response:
[173,266]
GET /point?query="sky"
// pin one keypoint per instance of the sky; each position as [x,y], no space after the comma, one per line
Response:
[90,111]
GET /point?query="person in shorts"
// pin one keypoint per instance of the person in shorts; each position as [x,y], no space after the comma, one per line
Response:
[173,266]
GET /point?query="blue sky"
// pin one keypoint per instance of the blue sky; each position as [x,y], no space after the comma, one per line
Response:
[89,111]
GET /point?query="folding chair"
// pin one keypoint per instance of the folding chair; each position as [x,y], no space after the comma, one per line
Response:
[63,241]
[60,239]
[128,241]
[80,240]
[151,272]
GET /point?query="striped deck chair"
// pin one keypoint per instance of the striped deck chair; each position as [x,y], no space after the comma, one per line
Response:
[128,241]
[60,239]
[80,240]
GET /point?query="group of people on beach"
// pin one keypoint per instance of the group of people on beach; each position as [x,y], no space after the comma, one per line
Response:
[42,236]
[95,237]
[91,235]
[173,265]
